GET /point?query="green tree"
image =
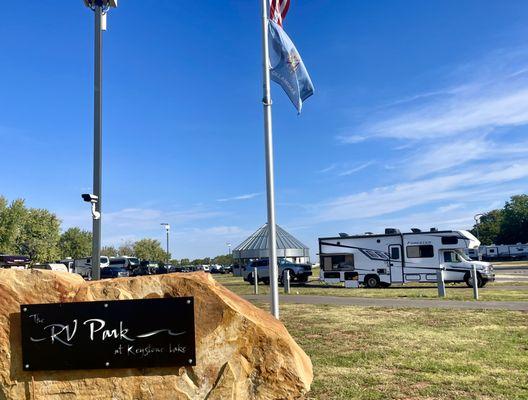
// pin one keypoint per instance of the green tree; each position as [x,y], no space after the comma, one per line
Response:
[489,227]
[514,223]
[185,261]
[75,243]
[109,251]
[150,249]
[40,235]
[12,219]
[225,259]
[126,249]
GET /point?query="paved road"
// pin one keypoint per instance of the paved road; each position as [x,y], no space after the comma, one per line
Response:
[396,303]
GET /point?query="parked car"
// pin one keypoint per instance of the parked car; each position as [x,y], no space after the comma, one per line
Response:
[125,262]
[52,267]
[204,268]
[114,271]
[9,261]
[298,272]
[228,269]
[217,269]
[141,270]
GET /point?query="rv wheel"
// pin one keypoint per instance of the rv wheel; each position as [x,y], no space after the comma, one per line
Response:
[372,281]
[469,280]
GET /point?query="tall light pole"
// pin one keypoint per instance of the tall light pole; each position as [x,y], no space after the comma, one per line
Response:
[167,229]
[477,221]
[100,8]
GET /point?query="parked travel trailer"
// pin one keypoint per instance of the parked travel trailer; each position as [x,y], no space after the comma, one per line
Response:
[83,266]
[396,258]
[503,252]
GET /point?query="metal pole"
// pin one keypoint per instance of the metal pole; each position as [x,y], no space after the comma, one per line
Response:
[270,181]
[287,288]
[98,137]
[475,281]
[255,280]
[168,256]
[440,282]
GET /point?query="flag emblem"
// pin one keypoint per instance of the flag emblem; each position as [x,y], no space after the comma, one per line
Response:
[294,60]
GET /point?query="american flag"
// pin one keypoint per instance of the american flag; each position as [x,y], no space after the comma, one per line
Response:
[278,10]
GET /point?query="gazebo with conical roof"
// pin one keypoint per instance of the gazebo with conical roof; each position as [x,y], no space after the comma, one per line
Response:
[256,246]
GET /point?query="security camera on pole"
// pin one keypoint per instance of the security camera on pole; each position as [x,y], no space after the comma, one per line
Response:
[100,9]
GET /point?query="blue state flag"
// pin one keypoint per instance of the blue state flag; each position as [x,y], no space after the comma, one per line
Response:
[287,67]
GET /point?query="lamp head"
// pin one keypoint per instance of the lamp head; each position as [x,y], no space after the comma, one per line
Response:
[101,3]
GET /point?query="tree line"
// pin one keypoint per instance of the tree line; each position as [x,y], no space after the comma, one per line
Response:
[507,225]
[36,233]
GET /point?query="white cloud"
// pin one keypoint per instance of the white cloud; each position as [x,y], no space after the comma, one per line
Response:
[388,199]
[352,139]
[445,155]
[241,197]
[356,168]
[492,94]
[328,169]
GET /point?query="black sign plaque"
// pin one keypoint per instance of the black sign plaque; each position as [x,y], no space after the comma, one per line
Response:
[108,334]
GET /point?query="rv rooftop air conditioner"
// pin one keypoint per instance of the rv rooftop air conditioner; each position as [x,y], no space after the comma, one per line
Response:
[433,230]
[392,231]
[343,234]
[416,230]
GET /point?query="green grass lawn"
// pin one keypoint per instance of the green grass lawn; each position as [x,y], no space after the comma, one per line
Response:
[379,353]
[424,291]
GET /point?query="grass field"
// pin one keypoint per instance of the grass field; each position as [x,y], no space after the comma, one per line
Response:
[376,353]
[424,291]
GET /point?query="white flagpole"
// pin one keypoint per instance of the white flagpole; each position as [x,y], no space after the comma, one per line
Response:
[270,180]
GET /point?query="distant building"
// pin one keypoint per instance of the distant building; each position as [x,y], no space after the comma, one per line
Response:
[256,246]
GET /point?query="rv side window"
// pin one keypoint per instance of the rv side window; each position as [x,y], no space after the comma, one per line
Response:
[449,240]
[451,257]
[395,253]
[424,251]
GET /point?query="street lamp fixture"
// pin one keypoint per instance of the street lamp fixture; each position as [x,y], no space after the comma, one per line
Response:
[100,3]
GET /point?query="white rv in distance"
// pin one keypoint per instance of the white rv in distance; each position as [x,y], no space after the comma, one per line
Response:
[395,257]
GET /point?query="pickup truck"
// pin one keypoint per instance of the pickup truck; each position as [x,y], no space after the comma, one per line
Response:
[298,272]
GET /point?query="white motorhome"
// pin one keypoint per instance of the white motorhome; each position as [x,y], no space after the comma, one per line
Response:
[397,258]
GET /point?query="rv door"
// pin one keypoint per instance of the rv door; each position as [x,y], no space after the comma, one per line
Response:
[396,263]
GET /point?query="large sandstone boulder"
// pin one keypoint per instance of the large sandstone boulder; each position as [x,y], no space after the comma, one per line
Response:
[242,351]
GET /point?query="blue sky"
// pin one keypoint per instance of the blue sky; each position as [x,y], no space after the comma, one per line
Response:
[419,118]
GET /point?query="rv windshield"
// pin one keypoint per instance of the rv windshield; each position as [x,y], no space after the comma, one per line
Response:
[462,255]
